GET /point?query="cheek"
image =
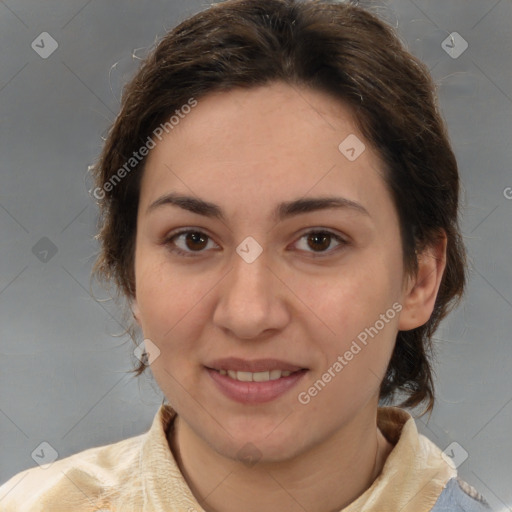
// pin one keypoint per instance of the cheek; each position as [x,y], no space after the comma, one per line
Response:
[350,300]
[169,302]
[355,358]
[352,316]
[172,316]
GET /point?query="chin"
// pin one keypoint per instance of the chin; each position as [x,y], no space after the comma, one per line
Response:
[259,445]
[251,453]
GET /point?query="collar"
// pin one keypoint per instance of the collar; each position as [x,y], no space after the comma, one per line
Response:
[413,476]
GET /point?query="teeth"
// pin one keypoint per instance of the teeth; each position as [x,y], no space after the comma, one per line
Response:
[256,376]
[261,376]
[275,374]
[244,376]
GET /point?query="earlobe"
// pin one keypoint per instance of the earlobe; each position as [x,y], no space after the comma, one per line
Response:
[421,292]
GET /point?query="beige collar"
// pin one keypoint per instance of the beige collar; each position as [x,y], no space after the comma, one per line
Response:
[411,480]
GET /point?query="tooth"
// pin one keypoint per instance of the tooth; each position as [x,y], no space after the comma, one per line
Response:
[261,376]
[256,376]
[275,374]
[244,376]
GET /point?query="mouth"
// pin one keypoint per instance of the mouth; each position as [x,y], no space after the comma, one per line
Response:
[263,376]
[256,381]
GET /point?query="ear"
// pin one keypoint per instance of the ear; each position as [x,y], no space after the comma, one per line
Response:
[135,310]
[421,290]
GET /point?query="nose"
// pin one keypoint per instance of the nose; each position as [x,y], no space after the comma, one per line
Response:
[252,300]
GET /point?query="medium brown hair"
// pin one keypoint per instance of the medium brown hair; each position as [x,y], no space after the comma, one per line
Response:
[338,48]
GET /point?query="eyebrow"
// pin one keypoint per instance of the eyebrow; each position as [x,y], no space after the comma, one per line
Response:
[282,211]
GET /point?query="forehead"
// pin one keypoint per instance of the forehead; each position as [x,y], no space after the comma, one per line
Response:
[270,143]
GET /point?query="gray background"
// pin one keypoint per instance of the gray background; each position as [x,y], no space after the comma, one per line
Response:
[63,369]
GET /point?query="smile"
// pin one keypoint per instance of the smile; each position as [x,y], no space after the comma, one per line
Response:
[254,387]
[256,376]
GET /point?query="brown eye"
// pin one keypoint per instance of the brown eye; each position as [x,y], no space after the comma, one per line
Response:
[320,242]
[195,240]
[189,243]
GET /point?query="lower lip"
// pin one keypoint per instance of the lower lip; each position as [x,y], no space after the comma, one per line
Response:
[254,392]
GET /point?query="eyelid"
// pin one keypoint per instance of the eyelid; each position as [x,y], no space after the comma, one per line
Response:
[342,241]
[168,240]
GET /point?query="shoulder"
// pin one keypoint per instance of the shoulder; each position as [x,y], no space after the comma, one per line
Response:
[79,482]
[459,496]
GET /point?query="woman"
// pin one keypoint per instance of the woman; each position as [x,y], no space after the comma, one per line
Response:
[279,207]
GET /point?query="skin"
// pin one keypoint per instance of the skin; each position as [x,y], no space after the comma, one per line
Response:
[247,151]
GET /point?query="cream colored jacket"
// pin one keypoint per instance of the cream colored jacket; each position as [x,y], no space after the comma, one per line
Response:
[140,474]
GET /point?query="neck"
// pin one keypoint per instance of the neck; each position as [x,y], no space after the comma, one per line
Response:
[326,478]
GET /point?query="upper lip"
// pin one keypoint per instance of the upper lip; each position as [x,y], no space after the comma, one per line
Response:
[255,365]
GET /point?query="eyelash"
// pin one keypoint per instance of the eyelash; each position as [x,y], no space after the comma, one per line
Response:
[169,241]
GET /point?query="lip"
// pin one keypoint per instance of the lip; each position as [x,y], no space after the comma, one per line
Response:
[256,365]
[255,392]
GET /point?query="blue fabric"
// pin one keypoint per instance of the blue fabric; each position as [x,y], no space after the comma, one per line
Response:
[454,498]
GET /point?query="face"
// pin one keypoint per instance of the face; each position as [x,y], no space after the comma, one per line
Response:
[258,272]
